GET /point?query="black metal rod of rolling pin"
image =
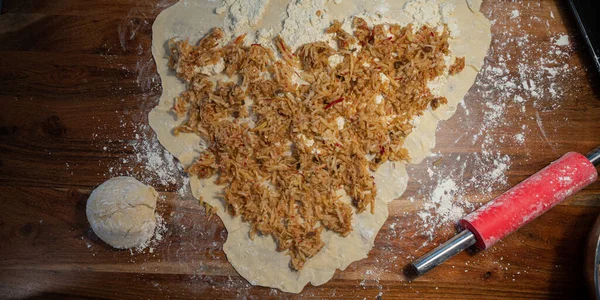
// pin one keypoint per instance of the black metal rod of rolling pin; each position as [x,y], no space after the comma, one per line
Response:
[443,252]
[594,156]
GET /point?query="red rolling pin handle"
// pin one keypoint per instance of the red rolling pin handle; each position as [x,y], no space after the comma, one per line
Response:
[530,198]
[515,208]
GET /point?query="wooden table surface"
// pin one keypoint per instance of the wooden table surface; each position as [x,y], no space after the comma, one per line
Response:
[77,80]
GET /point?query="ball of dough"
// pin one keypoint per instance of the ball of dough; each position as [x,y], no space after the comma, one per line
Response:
[121,212]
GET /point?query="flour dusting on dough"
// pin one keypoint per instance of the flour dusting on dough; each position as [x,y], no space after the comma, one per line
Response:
[303,25]
[241,14]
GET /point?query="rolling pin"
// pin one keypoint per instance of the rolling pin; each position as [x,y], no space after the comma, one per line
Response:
[516,207]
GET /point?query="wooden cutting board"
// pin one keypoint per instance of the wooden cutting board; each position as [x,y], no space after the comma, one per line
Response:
[76,82]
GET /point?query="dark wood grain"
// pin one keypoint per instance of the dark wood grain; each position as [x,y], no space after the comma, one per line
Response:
[49,250]
[76,83]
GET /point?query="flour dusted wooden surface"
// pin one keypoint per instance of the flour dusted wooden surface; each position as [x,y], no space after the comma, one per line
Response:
[76,82]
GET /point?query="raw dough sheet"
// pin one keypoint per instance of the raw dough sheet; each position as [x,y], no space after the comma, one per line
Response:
[258,261]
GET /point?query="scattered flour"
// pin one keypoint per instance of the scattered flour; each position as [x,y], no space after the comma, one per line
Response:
[159,233]
[264,36]
[509,96]
[514,14]
[146,159]
[335,60]
[241,14]
[423,12]
[303,25]
[211,70]
[520,138]
[563,40]
[447,9]
[156,160]
[443,205]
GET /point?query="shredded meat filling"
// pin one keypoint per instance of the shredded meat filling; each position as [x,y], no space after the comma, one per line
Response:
[294,141]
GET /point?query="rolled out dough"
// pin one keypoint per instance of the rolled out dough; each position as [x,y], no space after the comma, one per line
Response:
[258,261]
